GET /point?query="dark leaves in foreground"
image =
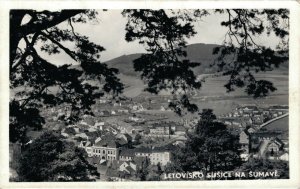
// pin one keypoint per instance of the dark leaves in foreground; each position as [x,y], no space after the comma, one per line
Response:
[51,158]
[241,57]
[39,83]
[165,66]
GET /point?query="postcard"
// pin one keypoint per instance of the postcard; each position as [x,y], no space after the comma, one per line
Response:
[150,93]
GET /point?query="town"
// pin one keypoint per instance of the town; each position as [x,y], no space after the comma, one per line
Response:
[121,137]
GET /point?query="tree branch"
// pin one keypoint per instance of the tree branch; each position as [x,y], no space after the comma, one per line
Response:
[58,17]
[69,52]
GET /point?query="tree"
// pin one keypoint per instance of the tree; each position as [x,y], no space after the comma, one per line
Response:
[143,170]
[50,158]
[29,71]
[241,57]
[210,148]
[164,67]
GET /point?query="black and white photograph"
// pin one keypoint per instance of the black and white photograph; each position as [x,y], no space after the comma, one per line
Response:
[133,95]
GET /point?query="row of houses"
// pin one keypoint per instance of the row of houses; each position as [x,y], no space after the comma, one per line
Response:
[263,144]
[117,147]
[256,114]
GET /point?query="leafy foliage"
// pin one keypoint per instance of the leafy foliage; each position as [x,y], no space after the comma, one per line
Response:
[210,148]
[20,119]
[50,158]
[165,66]
[143,170]
[241,57]
[164,34]
[41,78]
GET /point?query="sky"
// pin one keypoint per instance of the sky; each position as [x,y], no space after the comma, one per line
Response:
[109,31]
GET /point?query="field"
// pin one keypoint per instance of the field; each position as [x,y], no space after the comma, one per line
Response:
[279,125]
[213,93]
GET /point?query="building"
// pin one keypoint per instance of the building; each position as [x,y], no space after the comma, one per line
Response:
[161,157]
[270,148]
[275,146]
[157,155]
[106,149]
[126,154]
[87,145]
[245,141]
[99,125]
[284,156]
[160,129]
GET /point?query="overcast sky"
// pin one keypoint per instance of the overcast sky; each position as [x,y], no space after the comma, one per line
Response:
[109,31]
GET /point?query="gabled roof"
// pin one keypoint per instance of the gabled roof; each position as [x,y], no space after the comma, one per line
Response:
[121,141]
[107,143]
[127,152]
[130,169]
[277,140]
[86,143]
[143,150]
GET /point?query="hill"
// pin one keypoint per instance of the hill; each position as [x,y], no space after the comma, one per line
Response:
[199,52]
[196,53]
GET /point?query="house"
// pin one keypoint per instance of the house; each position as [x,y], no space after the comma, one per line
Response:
[125,128]
[81,135]
[180,130]
[284,156]
[235,113]
[107,149]
[158,129]
[124,136]
[161,156]
[126,154]
[251,130]
[265,135]
[270,148]
[266,112]
[99,125]
[156,155]
[246,115]
[244,156]
[123,111]
[249,109]
[137,107]
[98,139]
[87,145]
[128,167]
[136,119]
[102,101]
[245,141]
[275,146]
